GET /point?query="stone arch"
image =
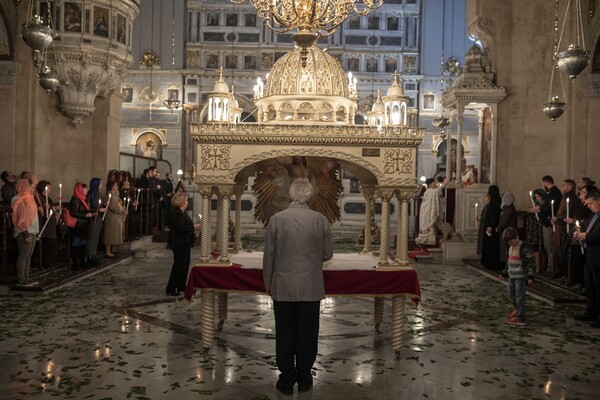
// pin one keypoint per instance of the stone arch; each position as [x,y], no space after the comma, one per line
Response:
[160,133]
[9,29]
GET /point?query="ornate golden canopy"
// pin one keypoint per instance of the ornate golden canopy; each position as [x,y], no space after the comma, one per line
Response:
[319,92]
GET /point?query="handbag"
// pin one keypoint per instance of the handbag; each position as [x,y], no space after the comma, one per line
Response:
[68,219]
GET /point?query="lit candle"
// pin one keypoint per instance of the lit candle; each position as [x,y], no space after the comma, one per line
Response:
[533,204]
[60,197]
[552,209]
[568,225]
[578,229]
[137,199]
[47,203]
[476,214]
[107,204]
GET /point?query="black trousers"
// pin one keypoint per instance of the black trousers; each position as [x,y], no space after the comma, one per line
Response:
[179,271]
[592,285]
[297,334]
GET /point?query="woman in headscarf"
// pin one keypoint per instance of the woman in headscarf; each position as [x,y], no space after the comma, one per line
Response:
[80,209]
[26,227]
[113,224]
[96,202]
[490,254]
[508,217]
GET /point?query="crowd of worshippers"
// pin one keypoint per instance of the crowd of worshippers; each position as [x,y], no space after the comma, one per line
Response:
[561,228]
[93,218]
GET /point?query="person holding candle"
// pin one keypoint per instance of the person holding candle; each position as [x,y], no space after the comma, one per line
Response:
[569,206]
[49,236]
[582,218]
[490,238]
[33,181]
[26,226]
[546,210]
[508,218]
[591,242]
[181,238]
[96,202]
[113,223]
[80,209]
[133,218]
[533,236]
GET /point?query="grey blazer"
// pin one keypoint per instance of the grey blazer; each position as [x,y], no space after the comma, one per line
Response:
[297,242]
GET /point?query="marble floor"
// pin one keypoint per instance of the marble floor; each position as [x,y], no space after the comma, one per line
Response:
[116,335]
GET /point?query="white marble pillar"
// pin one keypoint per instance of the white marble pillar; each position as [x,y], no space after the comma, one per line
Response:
[369,195]
[224,192]
[218,243]
[238,191]
[493,156]
[402,227]
[449,151]
[205,246]
[384,247]
[480,143]
[459,153]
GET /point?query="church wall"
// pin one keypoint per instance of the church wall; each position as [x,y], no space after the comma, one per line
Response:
[36,136]
[520,39]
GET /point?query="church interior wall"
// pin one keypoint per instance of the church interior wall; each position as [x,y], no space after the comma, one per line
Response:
[530,145]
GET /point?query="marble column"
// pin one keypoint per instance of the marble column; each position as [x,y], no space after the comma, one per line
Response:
[384,247]
[402,227]
[493,156]
[449,151]
[369,195]
[459,153]
[238,191]
[480,143]
[218,243]
[224,193]
[205,247]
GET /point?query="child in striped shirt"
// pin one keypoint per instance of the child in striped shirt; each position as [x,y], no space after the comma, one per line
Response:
[519,271]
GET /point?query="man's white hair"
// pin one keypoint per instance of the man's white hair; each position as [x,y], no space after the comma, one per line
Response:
[301,190]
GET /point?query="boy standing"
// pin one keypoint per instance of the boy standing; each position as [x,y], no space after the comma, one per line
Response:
[519,272]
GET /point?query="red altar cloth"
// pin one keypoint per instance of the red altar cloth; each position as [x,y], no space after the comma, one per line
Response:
[337,282]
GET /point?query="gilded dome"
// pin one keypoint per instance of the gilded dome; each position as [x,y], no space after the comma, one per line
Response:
[317,93]
[322,76]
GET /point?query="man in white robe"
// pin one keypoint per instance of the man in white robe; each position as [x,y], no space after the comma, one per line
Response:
[429,215]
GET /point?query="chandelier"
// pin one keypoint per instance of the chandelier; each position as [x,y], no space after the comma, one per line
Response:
[312,19]
[576,58]
[172,103]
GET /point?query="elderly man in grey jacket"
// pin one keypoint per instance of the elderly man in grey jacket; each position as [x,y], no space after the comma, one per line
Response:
[297,242]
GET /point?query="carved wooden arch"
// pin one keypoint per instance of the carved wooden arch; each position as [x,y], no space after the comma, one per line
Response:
[376,175]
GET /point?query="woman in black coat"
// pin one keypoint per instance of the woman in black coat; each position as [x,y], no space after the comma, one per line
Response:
[79,208]
[490,254]
[181,238]
[508,218]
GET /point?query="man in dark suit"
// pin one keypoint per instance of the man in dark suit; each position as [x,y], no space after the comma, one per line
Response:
[591,242]
[545,210]
[297,242]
